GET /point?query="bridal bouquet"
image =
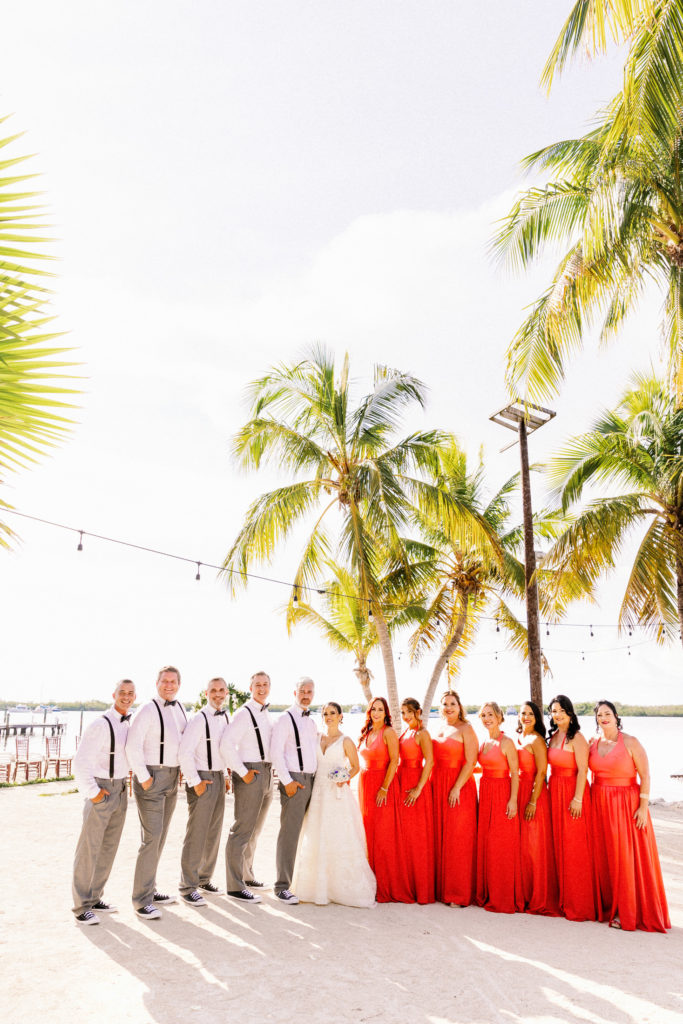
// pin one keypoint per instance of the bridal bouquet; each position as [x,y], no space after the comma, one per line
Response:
[340,774]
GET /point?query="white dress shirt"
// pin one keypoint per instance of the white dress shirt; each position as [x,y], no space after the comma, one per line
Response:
[283,744]
[93,755]
[193,752]
[239,743]
[144,742]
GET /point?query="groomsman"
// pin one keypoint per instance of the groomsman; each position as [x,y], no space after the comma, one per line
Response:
[295,757]
[152,750]
[203,769]
[101,772]
[246,749]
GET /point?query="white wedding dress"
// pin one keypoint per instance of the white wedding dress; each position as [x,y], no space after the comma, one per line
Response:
[332,864]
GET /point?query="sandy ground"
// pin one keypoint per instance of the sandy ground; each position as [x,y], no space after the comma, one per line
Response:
[250,965]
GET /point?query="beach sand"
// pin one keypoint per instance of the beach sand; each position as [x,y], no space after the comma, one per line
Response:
[256,964]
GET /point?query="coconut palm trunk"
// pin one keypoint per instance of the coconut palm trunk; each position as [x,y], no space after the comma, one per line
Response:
[387,650]
[445,654]
[364,676]
[679,593]
[533,630]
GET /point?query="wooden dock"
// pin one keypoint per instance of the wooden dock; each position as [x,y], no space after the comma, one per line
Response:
[8,729]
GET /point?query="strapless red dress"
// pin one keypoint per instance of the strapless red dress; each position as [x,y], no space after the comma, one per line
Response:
[381,823]
[416,822]
[499,881]
[572,839]
[455,828]
[539,875]
[626,860]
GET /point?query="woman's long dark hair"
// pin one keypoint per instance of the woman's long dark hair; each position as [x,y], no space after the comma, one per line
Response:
[539,724]
[568,709]
[610,705]
[367,724]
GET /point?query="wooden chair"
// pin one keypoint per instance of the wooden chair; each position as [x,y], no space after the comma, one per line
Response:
[31,766]
[5,768]
[53,756]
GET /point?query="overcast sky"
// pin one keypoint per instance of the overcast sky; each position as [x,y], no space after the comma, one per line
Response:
[229,183]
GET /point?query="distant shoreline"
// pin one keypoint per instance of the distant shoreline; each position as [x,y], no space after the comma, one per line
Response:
[581,707]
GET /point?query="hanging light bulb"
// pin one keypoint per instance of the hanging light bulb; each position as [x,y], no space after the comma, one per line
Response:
[547,629]
[371,617]
[497,626]
[80,541]
[198,576]
[592,633]
[583,656]
[295,599]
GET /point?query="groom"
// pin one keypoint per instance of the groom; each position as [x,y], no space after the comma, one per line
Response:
[294,752]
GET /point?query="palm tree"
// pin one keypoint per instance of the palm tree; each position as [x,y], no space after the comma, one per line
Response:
[470,577]
[636,449]
[617,210]
[351,472]
[31,413]
[345,624]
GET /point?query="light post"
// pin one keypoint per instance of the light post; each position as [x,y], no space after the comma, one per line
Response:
[525,418]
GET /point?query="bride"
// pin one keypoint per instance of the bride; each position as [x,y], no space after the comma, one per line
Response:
[332,864]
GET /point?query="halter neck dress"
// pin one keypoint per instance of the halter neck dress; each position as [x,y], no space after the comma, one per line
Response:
[626,859]
[416,822]
[572,838]
[381,823]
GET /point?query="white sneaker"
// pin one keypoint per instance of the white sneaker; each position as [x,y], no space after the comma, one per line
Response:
[104,908]
[160,897]
[194,899]
[287,897]
[244,896]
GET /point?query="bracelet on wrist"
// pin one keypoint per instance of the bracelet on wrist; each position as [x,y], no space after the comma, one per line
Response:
[575,800]
[644,796]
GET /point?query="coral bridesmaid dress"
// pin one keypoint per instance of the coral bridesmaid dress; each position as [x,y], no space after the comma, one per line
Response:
[539,875]
[626,859]
[572,838]
[499,882]
[416,822]
[455,828]
[381,823]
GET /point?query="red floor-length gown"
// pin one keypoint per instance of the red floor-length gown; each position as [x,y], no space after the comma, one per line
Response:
[499,881]
[539,875]
[455,828]
[572,838]
[381,823]
[626,860]
[416,822]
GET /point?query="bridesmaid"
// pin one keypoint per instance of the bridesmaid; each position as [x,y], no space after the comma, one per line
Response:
[570,809]
[455,805]
[499,883]
[631,890]
[416,819]
[378,797]
[539,876]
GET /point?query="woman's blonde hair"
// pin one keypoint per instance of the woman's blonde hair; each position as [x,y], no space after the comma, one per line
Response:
[494,707]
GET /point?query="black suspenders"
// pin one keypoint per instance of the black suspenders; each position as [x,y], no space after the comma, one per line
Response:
[258,735]
[161,729]
[208,742]
[298,742]
[112,748]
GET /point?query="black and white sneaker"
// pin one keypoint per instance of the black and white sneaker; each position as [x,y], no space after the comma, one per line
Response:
[87,917]
[194,899]
[160,897]
[287,897]
[253,884]
[149,913]
[210,887]
[244,896]
[104,908]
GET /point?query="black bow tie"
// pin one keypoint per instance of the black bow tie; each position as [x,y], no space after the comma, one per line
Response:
[125,718]
[216,713]
[264,707]
[170,703]
[306,713]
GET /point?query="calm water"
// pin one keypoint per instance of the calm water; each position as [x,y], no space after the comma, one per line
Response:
[661,737]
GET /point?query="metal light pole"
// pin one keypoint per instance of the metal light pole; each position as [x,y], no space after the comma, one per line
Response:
[525,418]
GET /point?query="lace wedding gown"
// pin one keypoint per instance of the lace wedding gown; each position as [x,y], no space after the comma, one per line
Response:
[332,864]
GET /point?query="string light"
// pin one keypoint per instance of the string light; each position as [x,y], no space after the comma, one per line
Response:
[80,541]
[198,576]
[371,617]
[592,633]
[295,599]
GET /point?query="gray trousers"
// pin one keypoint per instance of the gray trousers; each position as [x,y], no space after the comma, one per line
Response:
[203,832]
[251,808]
[292,811]
[98,843]
[155,809]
